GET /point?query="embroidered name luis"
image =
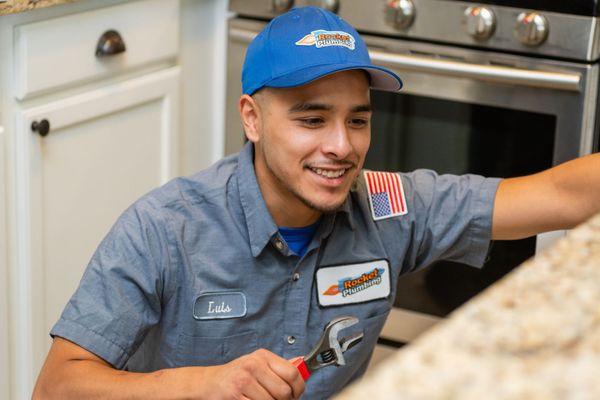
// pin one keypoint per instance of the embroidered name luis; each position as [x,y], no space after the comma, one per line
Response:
[218,309]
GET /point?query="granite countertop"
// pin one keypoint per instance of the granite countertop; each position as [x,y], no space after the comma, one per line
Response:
[15,6]
[533,335]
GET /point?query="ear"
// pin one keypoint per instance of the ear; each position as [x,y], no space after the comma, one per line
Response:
[251,117]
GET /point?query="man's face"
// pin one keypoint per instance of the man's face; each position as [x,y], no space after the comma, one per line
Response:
[311,142]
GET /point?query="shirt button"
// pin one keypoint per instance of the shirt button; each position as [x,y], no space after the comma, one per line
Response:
[295,277]
[291,339]
[278,244]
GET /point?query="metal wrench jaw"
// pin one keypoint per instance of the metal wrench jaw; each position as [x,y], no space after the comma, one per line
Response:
[330,348]
[351,341]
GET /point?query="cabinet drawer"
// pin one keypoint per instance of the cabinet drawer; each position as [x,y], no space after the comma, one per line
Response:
[62,51]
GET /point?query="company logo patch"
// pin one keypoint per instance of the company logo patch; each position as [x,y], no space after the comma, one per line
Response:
[323,38]
[351,285]
[354,283]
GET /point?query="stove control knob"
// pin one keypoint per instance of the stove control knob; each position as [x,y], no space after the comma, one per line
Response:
[532,28]
[479,22]
[281,6]
[403,13]
[330,5]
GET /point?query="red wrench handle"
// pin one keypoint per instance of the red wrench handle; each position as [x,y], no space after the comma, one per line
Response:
[302,368]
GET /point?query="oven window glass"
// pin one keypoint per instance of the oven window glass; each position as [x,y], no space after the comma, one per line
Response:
[410,132]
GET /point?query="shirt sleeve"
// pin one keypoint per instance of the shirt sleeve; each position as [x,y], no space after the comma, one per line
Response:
[119,297]
[451,217]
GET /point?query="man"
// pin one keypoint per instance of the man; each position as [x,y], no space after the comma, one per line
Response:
[210,285]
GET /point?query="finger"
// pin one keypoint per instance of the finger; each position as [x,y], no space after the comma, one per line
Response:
[255,391]
[289,373]
[286,382]
[275,385]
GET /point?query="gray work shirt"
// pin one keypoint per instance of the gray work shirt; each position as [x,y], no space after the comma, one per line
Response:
[208,241]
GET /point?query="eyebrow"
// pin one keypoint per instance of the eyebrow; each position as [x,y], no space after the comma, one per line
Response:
[303,107]
[362,108]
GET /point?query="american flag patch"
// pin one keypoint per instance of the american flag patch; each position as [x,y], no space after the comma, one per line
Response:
[386,194]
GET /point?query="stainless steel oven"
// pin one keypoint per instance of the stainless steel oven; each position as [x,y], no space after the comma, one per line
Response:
[488,88]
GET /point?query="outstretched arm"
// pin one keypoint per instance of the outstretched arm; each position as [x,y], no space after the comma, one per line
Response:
[558,198]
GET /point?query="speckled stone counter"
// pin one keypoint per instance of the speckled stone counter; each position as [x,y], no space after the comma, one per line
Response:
[15,6]
[533,335]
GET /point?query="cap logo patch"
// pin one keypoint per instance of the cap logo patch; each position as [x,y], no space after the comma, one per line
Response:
[323,38]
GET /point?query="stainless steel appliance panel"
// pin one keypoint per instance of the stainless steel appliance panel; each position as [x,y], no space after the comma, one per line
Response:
[555,81]
[570,96]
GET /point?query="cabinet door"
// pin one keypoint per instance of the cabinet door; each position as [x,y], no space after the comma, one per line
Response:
[4,286]
[105,149]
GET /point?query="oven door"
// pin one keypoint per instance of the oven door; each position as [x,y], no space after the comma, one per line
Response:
[460,111]
[468,111]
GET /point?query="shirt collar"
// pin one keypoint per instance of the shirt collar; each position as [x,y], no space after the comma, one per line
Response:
[346,207]
[260,224]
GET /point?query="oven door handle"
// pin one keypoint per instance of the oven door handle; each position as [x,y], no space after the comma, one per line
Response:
[489,73]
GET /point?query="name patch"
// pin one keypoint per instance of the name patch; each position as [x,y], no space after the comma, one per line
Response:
[220,305]
[353,283]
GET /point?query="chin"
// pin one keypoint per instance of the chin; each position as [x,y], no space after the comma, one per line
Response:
[324,207]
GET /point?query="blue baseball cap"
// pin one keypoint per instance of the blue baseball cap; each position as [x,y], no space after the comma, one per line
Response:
[305,44]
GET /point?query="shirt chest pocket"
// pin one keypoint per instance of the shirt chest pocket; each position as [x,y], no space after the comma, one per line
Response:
[207,351]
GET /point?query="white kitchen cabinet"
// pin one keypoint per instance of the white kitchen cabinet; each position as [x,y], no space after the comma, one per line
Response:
[105,148]
[113,135]
[119,126]
[45,51]
[4,342]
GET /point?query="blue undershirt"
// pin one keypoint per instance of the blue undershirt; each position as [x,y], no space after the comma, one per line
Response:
[298,239]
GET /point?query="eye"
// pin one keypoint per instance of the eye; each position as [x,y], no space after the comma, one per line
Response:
[312,122]
[359,122]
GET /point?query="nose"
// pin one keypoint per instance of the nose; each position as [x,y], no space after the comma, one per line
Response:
[336,143]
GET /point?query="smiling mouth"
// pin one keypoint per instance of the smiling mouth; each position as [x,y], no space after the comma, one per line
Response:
[329,174]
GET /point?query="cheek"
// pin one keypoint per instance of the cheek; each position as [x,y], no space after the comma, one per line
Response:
[297,144]
[362,143]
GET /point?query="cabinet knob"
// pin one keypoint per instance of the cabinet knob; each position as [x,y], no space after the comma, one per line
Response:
[109,44]
[42,127]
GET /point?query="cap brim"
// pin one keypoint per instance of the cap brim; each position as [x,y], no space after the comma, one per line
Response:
[381,78]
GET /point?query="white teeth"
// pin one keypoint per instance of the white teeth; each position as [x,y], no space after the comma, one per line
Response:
[329,174]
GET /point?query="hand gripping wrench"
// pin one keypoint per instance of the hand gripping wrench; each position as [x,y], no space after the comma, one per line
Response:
[329,350]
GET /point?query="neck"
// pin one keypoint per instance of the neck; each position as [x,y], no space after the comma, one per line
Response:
[293,219]
[288,212]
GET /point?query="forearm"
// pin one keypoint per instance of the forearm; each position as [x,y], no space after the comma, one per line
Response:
[71,372]
[87,379]
[579,182]
[558,198]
